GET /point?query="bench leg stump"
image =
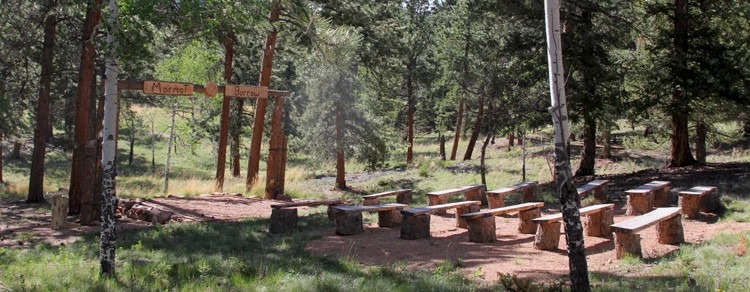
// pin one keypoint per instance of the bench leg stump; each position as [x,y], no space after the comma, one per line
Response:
[415,227]
[690,205]
[436,200]
[495,201]
[404,198]
[476,195]
[597,224]
[670,231]
[627,244]
[547,236]
[711,203]
[599,195]
[59,211]
[389,218]
[371,201]
[525,225]
[661,197]
[528,194]
[331,214]
[283,220]
[460,221]
[608,218]
[639,204]
[349,223]
[482,229]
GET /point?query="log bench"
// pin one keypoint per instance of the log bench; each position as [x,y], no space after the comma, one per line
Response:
[698,199]
[669,230]
[595,187]
[482,227]
[284,216]
[644,198]
[349,218]
[471,193]
[415,222]
[402,197]
[496,198]
[597,223]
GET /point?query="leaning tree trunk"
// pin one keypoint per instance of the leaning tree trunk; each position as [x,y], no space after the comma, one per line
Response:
[457,133]
[36,179]
[569,199]
[700,141]
[224,124]
[680,147]
[109,148]
[482,165]
[253,165]
[340,161]
[83,94]
[476,130]
[588,158]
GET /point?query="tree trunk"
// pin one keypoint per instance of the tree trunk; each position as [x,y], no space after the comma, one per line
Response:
[700,141]
[340,162]
[109,148]
[260,106]
[680,147]
[482,166]
[588,158]
[169,148]
[274,169]
[441,140]
[36,179]
[83,94]
[153,147]
[476,130]
[457,133]
[131,139]
[607,151]
[410,111]
[15,153]
[224,126]
[89,198]
[511,139]
[569,199]
[1,158]
[523,156]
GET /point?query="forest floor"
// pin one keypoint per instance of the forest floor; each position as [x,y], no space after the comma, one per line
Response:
[23,226]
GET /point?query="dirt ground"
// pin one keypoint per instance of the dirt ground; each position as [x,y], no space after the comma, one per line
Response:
[22,225]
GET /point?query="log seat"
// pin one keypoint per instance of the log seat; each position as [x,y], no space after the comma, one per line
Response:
[594,187]
[402,197]
[496,198]
[598,219]
[669,230]
[698,199]
[471,193]
[349,218]
[415,222]
[482,226]
[644,198]
[284,216]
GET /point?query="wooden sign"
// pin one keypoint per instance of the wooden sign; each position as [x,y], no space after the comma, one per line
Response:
[245,91]
[167,88]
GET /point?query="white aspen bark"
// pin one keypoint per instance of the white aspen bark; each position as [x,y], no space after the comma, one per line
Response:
[569,199]
[169,149]
[107,238]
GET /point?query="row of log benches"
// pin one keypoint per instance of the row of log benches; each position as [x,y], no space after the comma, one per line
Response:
[650,201]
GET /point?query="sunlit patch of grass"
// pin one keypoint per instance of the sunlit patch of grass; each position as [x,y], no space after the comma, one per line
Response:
[12,190]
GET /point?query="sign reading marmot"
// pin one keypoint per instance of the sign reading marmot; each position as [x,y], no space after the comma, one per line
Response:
[246,91]
[167,88]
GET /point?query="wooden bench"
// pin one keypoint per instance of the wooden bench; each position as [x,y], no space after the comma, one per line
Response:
[482,224]
[598,219]
[284,216]
[349,218]
[471,193]
[402,197]
[415,222]
[669,230]
[595,187]
[698,199]
[496,198]
[644,198]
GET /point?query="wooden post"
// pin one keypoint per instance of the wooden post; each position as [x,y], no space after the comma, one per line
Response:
[460,221]
[390,218]
[59,211]
[495,200]
[415,226]
[639,204]
[349,223]
[525,225]
[547,236]
[627,244]
[670,231]
[691,205]
[283,220]
[661,197]
[482,229]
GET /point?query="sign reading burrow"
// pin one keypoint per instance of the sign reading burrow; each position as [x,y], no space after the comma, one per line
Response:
[246,91]
[167,88]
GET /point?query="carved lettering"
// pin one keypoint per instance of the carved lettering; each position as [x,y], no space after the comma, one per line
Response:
[246,91]
[167,88]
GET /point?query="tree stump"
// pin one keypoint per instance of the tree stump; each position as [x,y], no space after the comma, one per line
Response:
[437,200]
[691,205]
[349,223]
[283,220]
[390,218]
[639,204]
[495,200]
[528,195]
[608,218]
[415,226]
[476,195]
[670,231]
[627,244]
[482,229]
[547,236]
[331,212]
[460,221]
[371,201]
[525,225]
[404,198]
[59,211]
[661,197]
